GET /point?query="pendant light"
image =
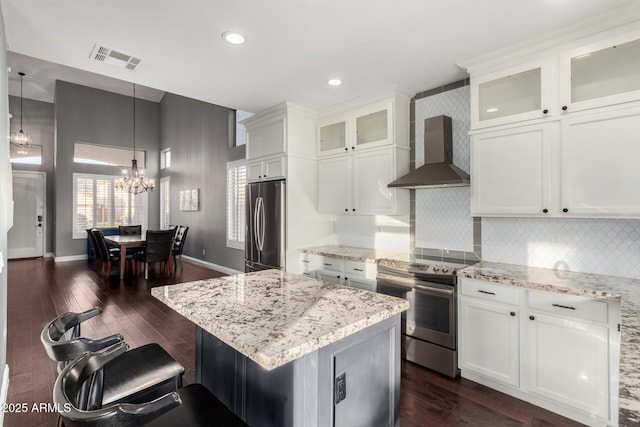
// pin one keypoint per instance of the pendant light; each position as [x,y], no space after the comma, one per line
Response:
[133,181]
[21,139]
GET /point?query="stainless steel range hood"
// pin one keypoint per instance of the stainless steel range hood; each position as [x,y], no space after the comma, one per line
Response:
[438,170]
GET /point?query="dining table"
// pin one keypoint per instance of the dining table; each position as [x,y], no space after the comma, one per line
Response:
[124,242]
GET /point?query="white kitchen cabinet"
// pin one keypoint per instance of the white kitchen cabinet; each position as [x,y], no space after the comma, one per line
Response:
[355,274]
[599,170]
[511,171]
[266,138]
[266,169]
[357,183]
[365,127]
[488,331]
[599,74]
[573,168]
[513,94]
[554,350]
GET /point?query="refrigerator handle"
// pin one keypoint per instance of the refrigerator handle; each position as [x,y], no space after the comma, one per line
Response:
[255,223]
[262,224]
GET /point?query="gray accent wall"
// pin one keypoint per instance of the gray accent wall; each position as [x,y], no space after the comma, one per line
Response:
[37,120]
[198,135]
[6,215]
[84,114]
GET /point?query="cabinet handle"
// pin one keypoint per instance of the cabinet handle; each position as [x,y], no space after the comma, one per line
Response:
[565,108]
[358,269]
[486,292]
[563,306]
[545,210]
[565,210]
[532,318]
[545,111]
[513,313]
[327,264]
[304,260]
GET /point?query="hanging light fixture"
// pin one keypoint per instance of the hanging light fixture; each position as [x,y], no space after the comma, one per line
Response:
[20,139]
[133,181]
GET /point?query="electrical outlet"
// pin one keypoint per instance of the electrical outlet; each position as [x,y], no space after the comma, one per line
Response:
[340,388]
[204,252]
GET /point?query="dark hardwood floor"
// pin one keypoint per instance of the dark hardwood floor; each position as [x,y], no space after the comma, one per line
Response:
[39,290]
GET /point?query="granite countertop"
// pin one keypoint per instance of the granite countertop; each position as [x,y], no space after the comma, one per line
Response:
[350,253]
[625,290]
[274,317]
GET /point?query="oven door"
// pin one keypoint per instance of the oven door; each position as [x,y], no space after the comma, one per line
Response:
[432,316]
[398,289]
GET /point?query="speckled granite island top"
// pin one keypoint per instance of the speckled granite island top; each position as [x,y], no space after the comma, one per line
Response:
[350,253]
[622,289]
[274,317]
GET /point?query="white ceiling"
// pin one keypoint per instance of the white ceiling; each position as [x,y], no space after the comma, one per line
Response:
[293,46]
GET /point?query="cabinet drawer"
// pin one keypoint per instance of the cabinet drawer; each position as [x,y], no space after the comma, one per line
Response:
[358,268]
[488,290]
[569,306]
[328,263]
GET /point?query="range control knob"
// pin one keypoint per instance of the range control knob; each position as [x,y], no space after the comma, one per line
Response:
[436,268]
[445,269]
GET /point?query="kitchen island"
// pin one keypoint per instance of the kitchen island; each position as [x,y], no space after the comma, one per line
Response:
[283,349]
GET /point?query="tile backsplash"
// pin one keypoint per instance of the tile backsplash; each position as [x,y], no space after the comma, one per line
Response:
[368,231]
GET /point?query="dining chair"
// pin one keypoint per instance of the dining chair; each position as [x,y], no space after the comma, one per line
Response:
[178,244]
[157,249]
[143,373]
[97,259]
[107,255]
[192,405]
[130,230]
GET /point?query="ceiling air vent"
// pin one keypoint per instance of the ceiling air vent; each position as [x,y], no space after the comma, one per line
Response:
[110,56]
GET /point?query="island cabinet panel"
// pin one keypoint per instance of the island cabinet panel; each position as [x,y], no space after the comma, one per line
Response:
[363,368]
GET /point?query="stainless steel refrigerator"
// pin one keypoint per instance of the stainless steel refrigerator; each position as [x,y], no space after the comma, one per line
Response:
[265,226]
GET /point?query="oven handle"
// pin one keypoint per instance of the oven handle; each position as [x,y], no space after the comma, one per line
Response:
[446,292]
[386,282]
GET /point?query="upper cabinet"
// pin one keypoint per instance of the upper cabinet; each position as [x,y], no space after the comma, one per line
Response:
[557,134]
[370,126]
[514,94]
[600,74]
[360,151]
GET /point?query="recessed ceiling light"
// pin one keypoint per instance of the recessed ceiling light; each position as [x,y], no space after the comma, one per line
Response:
[335,82]
[233,38]
[492,110]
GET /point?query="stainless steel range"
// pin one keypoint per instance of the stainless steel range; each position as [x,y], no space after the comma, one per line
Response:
[429,326]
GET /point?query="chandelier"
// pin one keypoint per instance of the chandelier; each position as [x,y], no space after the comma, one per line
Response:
[133,181]
[20,139]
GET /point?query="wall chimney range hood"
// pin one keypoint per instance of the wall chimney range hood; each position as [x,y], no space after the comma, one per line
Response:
[438,170]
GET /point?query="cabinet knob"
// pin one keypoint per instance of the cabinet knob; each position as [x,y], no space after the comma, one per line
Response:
[353,209]
[545,111]
[264,176]
[353,148]
[532,318]
[346,210]
[259,176]
[346,278]
[545,210]
[513,313]
[338,277]
[565,210]
[565,108]
[346,149]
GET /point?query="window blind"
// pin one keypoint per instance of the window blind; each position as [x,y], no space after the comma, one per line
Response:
[236,184]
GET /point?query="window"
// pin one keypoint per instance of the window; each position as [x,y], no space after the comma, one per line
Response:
[164,203]
[106,155]
[165,159]
[241,131]
[236,183]
[97,203]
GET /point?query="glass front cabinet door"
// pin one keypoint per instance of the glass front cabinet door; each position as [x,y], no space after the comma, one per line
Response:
[374,126]
[512,95]
[601,74]
[332,136]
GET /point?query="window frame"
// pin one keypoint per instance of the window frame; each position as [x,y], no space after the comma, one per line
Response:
[165,180]
[81,234]
[237,243]
[163,158]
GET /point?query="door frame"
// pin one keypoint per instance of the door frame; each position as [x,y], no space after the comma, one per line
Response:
[44,205]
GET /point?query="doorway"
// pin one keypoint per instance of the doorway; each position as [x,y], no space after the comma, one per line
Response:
[26,237]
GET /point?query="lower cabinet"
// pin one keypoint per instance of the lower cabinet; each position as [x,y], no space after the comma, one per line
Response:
[557,351]
[355,274]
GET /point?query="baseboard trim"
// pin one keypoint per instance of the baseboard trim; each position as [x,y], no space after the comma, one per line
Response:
[49,255]
[210,265]
[4,392]
[69,258]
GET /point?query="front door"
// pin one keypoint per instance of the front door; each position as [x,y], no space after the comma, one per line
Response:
[26,237]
